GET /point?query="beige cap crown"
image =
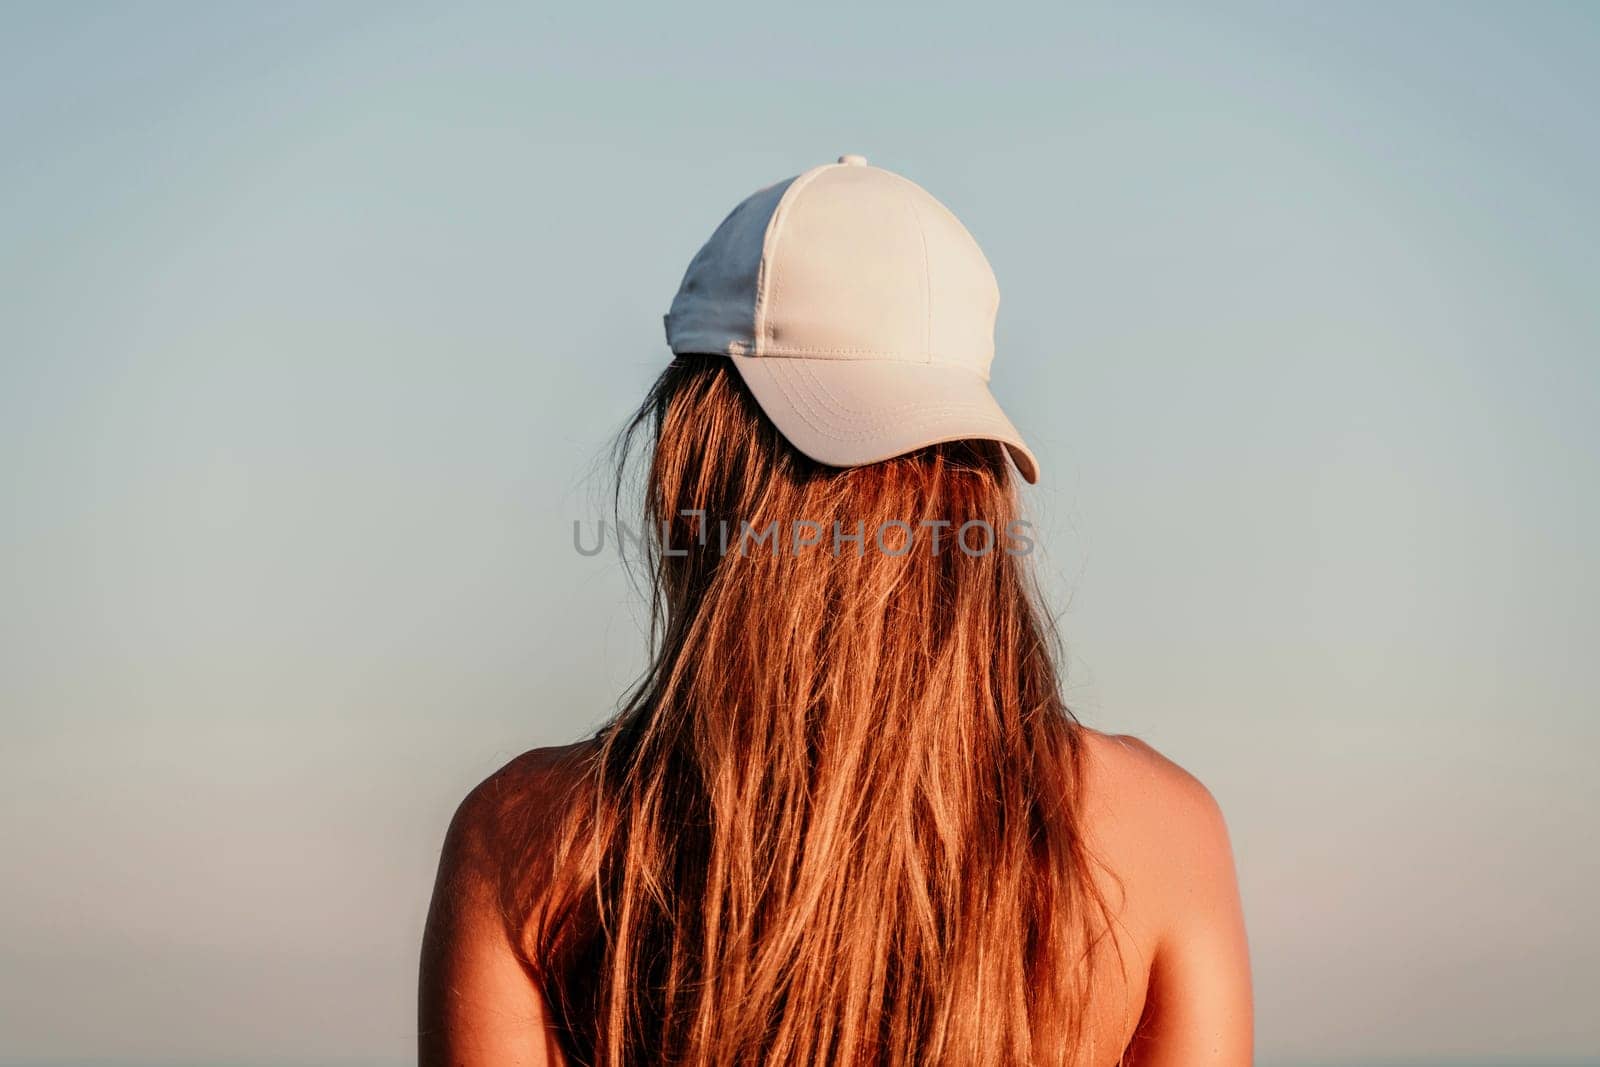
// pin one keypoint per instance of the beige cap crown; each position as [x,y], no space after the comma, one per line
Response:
[859,311]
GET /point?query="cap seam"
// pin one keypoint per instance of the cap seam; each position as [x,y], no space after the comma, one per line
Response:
[927,279]
[767,274]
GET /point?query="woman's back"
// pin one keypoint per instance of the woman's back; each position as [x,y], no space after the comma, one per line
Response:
[1173,987]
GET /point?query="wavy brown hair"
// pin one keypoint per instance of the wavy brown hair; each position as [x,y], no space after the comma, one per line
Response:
[837,820]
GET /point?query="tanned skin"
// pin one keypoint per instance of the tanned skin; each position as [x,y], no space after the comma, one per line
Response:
[1181,996]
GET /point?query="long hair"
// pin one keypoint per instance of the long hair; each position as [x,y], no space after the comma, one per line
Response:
[837,820]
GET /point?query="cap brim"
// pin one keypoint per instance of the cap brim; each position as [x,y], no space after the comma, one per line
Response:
[851,412]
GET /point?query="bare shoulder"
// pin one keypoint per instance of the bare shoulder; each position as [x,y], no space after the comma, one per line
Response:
[1129,775]
[493,830]
[1158,827]
[477,1002]
[495,810]
[1160,832]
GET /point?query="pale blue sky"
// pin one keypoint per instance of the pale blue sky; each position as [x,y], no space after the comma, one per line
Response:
[313,318]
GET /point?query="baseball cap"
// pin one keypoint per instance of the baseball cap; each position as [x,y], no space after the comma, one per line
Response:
[859,311]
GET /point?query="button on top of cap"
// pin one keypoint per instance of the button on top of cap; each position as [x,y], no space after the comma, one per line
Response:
[854,160]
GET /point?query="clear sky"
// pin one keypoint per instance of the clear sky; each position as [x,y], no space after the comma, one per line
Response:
[313,319]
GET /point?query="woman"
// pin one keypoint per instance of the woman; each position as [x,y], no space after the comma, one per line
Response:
[845,817]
